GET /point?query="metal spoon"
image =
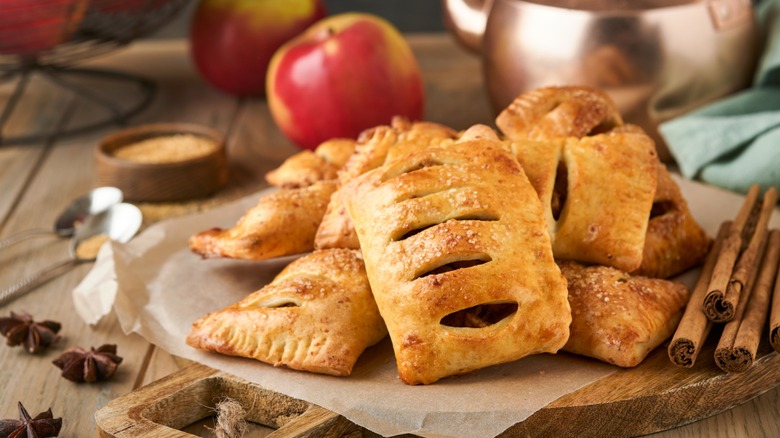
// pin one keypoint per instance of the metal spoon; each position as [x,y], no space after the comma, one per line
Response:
[94,202]
[119,223]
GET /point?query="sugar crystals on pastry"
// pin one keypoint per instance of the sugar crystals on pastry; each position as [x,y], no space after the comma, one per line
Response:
[317,315]
[553,112]
[619,318]
[282,223]
[375,146]
[459,259]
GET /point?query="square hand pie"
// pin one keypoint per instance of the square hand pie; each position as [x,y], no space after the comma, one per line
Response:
[317,315]
[459,259]
[555,112]
[282,223]
[619,318]
[597,192]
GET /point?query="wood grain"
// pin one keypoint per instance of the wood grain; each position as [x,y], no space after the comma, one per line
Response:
[655,396]
[164,407]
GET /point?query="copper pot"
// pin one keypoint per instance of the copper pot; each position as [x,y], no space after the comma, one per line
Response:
[656,58]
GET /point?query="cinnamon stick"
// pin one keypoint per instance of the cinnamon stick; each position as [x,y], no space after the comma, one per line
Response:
[694,325]
[749,259]
[774,316]
[739,341]
[715,306]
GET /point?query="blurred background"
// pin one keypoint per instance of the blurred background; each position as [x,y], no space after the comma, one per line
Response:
[406,15]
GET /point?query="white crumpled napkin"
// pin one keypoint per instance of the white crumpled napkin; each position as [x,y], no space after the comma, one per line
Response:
[95,295]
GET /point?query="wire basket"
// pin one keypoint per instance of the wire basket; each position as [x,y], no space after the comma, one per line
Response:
[50,37]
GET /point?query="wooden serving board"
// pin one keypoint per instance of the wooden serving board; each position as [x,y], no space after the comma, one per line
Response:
[652,397]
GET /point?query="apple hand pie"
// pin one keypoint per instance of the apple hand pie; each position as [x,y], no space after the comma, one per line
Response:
[317,315]
[555,112]
[282,223]
[618,318]
[307,167]
[459,259]
[597,193]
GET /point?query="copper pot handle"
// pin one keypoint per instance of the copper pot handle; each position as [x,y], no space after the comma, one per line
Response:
[727,14]
[466,20]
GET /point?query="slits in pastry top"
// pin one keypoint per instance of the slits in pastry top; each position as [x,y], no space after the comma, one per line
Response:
[317,315]
[375,146]
[619,318]
[675,241]
[459,259]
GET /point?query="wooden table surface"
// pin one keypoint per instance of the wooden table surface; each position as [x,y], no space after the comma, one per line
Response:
[37,181]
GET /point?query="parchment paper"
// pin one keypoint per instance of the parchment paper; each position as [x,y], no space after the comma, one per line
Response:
[161,288]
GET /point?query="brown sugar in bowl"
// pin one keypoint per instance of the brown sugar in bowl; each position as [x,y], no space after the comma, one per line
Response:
[163,162]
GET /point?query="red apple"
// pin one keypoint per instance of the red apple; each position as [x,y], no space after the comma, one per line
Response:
[344,74]
[232,41]
[29,27]
[130,7]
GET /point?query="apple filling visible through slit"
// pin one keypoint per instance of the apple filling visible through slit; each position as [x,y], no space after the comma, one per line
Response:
[460,264]
[660,208]
[483,217]
[276,302]
[560,190]
[480,316]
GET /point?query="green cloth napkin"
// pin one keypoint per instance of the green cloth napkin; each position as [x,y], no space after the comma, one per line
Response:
[735,142]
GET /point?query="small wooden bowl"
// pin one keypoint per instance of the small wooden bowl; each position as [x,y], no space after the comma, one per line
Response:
[159,182]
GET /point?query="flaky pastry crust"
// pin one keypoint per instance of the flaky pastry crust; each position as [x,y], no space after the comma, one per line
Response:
[282,223]
[375,146]
[675,242]
[449,234]
[553,112]
[619,318]
[307,167]
[597,192]
[317,315]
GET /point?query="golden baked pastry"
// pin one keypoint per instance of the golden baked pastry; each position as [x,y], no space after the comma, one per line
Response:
[481,132]
[375,147]
[336,230]
[543,163]
[307,167]
[317,315]
[459,260]
[282,223]
[618,318]
[675,242]
[553,112]
[597,192]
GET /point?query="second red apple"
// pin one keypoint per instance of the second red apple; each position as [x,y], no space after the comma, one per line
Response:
[344,74]
[232,41]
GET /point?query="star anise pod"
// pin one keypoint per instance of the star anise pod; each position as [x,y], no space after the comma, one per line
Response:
[21,329]
[80,365]
[43,425]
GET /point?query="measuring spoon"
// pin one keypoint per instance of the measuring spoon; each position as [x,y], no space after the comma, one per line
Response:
[119,223]
[94,202]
